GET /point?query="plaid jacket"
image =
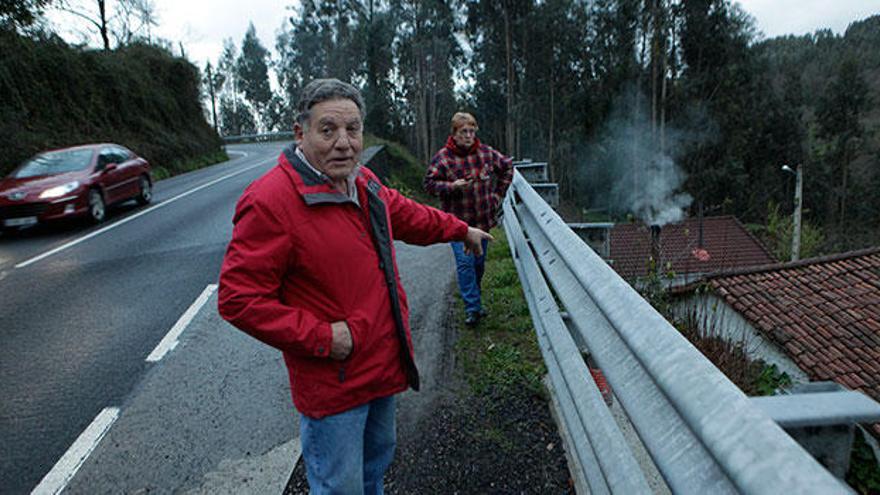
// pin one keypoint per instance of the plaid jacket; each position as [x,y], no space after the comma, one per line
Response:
[490,172]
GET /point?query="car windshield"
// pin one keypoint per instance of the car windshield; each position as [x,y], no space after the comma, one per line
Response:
[55,162]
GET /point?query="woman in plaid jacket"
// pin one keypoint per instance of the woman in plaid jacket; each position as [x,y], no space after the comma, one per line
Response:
[471,179]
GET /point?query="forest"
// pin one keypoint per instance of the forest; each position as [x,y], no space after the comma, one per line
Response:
[644,109]
[647,109]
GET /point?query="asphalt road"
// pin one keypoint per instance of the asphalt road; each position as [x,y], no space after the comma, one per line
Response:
[77,323]
[76,326]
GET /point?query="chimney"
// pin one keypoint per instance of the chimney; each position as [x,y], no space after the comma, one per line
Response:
[655,248]
[700,238]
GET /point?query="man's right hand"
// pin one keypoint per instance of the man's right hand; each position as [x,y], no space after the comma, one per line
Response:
[473,242]
[341,346]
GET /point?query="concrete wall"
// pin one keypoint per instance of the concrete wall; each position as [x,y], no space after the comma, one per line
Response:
[718,318]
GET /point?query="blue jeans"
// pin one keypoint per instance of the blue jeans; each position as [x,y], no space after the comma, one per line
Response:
[348,453]
[470,270]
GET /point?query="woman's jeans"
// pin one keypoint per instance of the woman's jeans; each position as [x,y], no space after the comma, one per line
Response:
[348,453]
[470,270]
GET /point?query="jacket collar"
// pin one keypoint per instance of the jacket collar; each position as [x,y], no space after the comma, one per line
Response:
[314,187]
[454,148]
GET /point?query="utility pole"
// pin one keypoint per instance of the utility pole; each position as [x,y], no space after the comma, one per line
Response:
[798,206]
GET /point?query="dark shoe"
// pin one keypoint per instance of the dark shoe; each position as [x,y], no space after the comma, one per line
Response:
[472,319]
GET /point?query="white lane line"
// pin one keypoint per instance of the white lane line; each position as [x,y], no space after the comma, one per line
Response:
[169,342]
[76,455]
[136,215]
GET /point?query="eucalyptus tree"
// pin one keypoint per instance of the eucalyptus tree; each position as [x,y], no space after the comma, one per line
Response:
[499,35]
[252,73]
[428,55]
[375,37]
[839,117]
[235,115]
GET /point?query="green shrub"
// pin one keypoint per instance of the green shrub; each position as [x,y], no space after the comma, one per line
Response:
[864,471]
[407,171]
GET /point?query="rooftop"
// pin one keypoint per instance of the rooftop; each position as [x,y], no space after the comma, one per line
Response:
[823,312]
[725,244]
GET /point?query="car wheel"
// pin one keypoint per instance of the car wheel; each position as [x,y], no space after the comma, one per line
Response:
[97,208]
[145,191]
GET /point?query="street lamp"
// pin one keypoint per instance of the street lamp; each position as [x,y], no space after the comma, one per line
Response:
[798,203]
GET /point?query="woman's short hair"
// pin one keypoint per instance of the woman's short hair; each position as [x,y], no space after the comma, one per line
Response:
[461,119]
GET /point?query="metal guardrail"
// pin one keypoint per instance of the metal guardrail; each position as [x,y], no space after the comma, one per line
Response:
[703,434]
[549,192]
[257,138]
[533,171]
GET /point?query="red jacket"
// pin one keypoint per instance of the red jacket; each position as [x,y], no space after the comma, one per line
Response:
[303,255]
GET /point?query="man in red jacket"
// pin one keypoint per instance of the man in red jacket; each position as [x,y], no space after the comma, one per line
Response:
[311,270]
[471,179]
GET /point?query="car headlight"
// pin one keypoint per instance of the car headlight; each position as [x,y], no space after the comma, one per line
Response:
[58,191]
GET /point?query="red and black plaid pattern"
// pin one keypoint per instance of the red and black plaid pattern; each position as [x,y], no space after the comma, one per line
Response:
[490,173]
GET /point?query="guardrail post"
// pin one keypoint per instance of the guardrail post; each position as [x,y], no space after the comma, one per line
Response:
[821,417]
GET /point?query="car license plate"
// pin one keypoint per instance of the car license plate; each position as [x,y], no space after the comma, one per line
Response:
[19,222]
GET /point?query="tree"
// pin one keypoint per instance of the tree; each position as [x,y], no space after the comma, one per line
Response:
[554,79]
[19,14]
[235,116]
[98,19]
[724,83]
[129,19]
[134,19]
[427,52]
[214,82]
[838,112]
[304,51]
[376,36]
[252,72]
[499,35]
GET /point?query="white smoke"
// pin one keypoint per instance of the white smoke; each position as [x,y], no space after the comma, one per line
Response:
[655,200]
[634,169]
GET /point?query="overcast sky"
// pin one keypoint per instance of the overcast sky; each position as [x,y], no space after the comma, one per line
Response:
[201,25]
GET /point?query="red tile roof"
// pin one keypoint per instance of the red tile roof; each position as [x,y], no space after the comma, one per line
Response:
[726,244]
[823,312]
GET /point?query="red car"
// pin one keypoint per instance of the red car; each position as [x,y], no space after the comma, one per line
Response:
[73,182]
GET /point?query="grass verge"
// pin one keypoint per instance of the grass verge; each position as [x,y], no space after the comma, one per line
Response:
[502,352]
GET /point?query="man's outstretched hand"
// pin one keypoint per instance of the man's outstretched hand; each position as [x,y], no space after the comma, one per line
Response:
[473,242]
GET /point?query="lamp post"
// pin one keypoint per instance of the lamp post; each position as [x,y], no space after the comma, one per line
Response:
[798,203]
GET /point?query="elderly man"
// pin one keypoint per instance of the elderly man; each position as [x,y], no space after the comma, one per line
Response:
[311,271]
[471,180]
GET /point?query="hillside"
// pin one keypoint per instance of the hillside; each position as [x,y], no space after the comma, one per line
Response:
[55,95]
[832,85]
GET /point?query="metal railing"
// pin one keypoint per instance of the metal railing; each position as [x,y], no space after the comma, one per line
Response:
[703,434]
[259,138]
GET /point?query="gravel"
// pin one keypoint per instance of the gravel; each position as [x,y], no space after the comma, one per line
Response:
[475,444]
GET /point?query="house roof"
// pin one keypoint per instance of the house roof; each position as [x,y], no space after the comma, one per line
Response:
[726,244]
[823,312]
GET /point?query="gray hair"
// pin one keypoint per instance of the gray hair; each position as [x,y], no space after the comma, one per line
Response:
[323,90]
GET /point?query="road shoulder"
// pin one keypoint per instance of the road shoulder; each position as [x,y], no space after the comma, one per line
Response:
[214,416]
